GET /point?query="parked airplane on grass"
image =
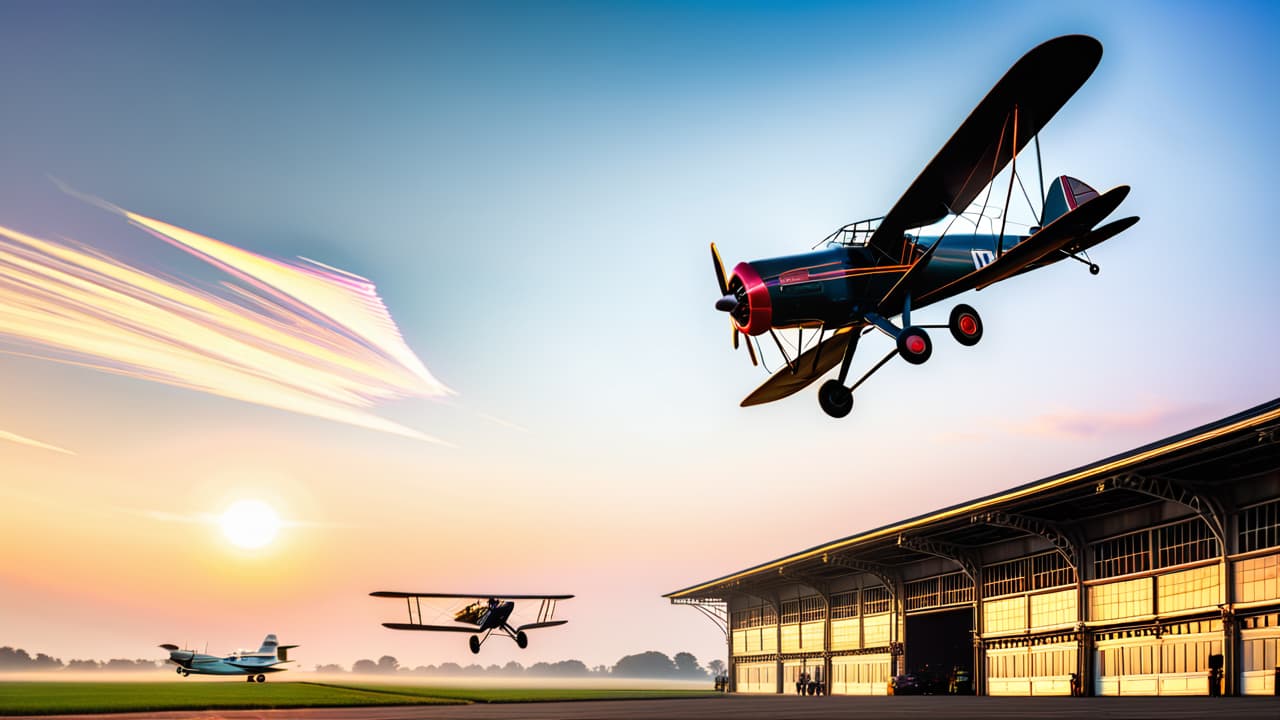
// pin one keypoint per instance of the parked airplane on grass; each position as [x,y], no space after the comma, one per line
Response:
[252,665]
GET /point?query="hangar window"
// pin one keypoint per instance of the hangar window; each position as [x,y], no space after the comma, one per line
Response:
[844,605]
[875,600]
[1260,527]
[812,608]
[1184,543]
[1122,556]
[922,594]
[955,588]
[1005,578]
[1050,571]
[790,612]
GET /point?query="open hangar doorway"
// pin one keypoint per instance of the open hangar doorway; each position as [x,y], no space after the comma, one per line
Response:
[939,642]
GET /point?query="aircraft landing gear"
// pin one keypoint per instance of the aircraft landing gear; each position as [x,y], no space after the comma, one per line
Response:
[522,640]
[248,678]
[965,325]
[914,345]
[475,645]
[1094,269]
[262,678]
[836,399]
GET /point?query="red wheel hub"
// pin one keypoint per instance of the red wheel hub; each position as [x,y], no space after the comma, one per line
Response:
[915,344]
[968,325]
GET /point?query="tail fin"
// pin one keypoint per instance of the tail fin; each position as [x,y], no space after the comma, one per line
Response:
[282,652]
[268,644]
[1065,194]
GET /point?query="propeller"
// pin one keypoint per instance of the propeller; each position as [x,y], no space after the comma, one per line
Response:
[728,302]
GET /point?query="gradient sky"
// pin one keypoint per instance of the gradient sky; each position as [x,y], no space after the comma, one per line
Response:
[532,186]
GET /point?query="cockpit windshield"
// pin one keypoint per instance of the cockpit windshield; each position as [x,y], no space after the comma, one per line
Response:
[855,234]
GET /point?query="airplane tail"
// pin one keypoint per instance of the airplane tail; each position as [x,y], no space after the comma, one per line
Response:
[269,644]
[282,652]
[1065,194]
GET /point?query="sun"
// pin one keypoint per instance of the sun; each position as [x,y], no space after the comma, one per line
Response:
[250,524]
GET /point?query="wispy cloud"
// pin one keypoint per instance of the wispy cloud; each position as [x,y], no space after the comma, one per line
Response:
[1078,424]
[16,438]
[298,336]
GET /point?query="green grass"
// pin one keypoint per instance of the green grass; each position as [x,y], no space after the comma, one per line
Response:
[55,698]
[524,695]
[51,698]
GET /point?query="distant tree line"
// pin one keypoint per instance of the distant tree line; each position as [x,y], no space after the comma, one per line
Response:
[18,660]
[651,664]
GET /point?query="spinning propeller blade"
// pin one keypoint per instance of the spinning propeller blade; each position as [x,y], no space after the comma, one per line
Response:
[724,282]
[727,302]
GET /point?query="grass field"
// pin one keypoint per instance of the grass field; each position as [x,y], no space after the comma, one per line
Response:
[52,698]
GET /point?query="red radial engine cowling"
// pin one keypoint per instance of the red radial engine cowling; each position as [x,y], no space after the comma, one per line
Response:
[754,314]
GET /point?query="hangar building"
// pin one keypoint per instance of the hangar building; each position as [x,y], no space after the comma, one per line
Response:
[1131,573]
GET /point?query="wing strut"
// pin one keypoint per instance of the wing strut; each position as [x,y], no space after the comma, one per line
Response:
[1013,174]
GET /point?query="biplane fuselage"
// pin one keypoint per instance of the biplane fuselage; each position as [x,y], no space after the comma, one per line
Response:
[873,271]
[825,288]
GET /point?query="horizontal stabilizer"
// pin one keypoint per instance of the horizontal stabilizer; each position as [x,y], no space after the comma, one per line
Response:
[465,596]
[170,647]
[282,652]
[810,366]
[1068,229]
[431,628]
[547,624]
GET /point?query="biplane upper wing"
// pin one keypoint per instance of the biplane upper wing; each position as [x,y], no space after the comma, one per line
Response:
[465,596]
[431,628]
[811,365]
[1072,228]
[1038,85]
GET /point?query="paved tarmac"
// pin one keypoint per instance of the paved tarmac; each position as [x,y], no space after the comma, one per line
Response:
[744,707]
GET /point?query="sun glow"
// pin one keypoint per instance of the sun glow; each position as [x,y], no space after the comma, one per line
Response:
[250,524]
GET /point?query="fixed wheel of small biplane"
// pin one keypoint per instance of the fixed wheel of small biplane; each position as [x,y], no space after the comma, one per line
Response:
[522,640]
[965,325]
[914,345]
[475,645]
[1094,269]
[836,399]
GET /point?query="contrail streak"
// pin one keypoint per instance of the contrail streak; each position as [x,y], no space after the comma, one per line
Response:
[297,336]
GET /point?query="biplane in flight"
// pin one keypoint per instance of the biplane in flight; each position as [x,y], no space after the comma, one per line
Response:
[483,615]
[253,665]
[872,271]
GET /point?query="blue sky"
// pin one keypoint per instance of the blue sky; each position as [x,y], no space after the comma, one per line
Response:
[533,186]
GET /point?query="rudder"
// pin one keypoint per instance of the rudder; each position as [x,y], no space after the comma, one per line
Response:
[269,644]
[1065,194]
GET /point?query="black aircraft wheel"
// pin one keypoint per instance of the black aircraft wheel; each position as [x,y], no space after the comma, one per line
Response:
[1094,269]
[248,678]
[521,639]
[178,670]
[914,345]
[475,645]
[836,399]
[262,678]
[965,325]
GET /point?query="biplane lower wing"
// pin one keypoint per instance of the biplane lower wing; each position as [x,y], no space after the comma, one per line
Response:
[545,624]
[1072,227]
[430,628]
[811,365]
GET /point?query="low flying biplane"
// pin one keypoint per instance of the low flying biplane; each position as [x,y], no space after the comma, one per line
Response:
[484,613]
[253,665]
[874,270]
